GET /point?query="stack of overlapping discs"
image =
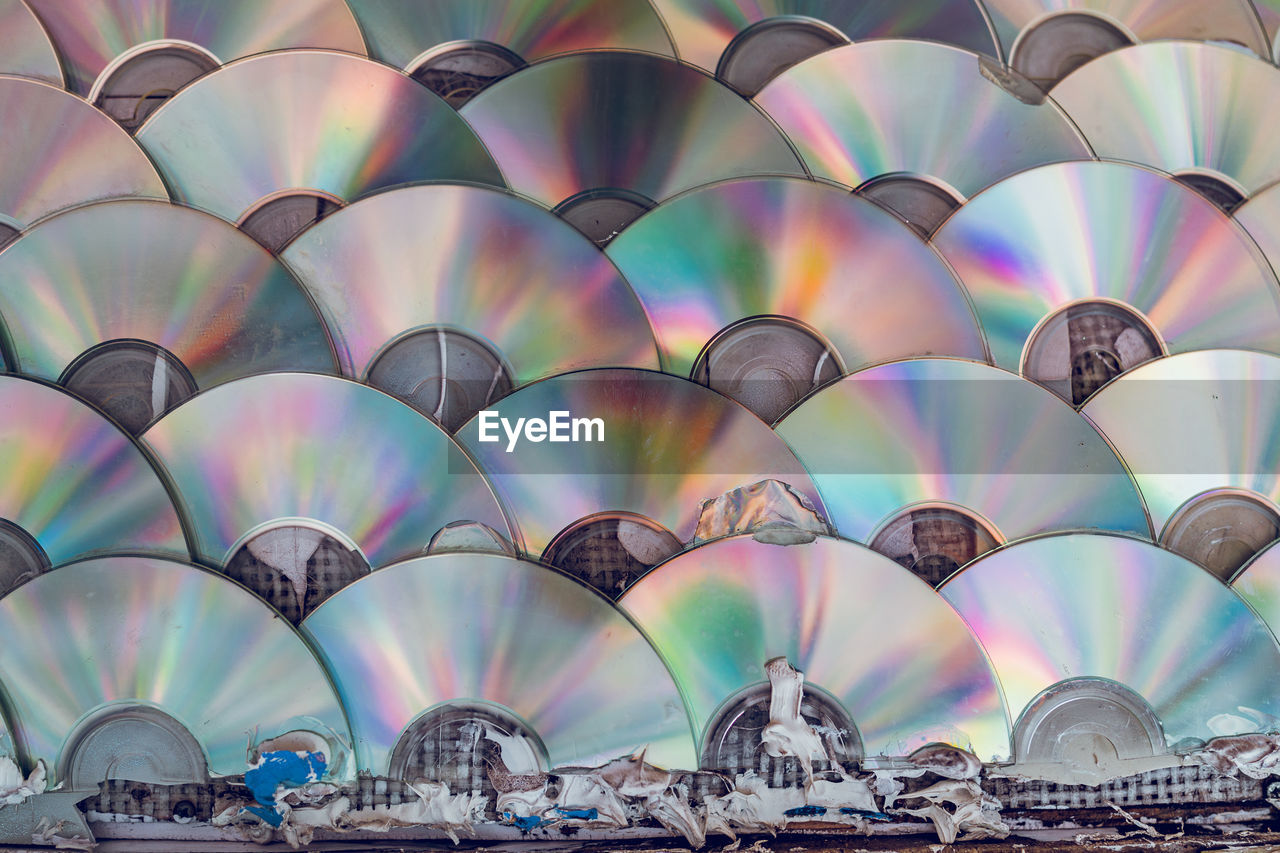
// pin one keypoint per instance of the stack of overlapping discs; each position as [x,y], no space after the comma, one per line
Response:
[509,418]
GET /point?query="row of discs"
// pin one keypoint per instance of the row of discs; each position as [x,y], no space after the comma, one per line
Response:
[484,342]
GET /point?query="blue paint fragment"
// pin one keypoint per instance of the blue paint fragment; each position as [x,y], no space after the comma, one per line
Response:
[578,814]
[864,813]
[806,811]
[525,824]
[281,767]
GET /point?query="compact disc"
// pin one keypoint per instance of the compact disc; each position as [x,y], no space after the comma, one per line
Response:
[608,131]
[861,628]
[294,446]
[457,47]
[1269,14]
[1259,584]
[1195,429]
[974,437]
[97,635]
[1107,607]
[1048,39]
[1074,236]
[155,272]
[60,152]
[1259,215]
[898,111]
[554,652]
[1194,110]
[25,46]
[629,441]
[93,37]
[310,125]
[784,248]
[497,267]
[74,485]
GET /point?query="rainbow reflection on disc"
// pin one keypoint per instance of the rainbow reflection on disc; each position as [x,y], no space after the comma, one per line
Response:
[61,152]
[497,629]
[858,625]
[156,272]
[75,482]
[1195,422]
[177,637]
[915,108]
[399,31]
[1183,107]
[798,249]
[1072,232]
[25,49]
[668,444]
[303,446]
[1086,605]
[702,29]
[622,121]
[90,36]
[965,434]
[306,120]
[1259,584]
[497,266]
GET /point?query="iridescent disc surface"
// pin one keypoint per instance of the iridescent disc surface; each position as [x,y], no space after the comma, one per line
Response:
[797,249]
[856,623]
[1269,14]
[60,152]
[25,46]
[669,444]
[622,121]
[1194,422]
[487,627]
[307,120]
[879,108]
[294,445]
[75,481]
[91,34]
[702,29]
[1179,106]
[1067,232]
[1148,20]
[1259,584]
[1086,605]
[495,266]
[963,433]
[156,272]
[399,30]
[1260,216]
[159,633]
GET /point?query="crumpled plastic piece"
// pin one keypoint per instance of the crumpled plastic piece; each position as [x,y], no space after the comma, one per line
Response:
[630,776]
[1255,755]
[976,814]
[435,807]
[14,788]
[588,793]
[949,762]
[787,734]
[770,510]
[48,832]
[276,769]
[743,808]
[671,809]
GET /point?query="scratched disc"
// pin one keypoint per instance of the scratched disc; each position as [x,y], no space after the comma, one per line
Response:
[668,444]
[498,268]
[558,654]
[1084,29]
[179,639]
[155,272]
[704,29]
[633,124]
[860,627]
[1072,234]
[322,124]
[75,483]
[1090,606]
[404,33]
[289,446]
[967,435]
[1195,423]
[1193,110]
[25,47]
[92,37]
[61,152]
[914,109]
[794,249]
